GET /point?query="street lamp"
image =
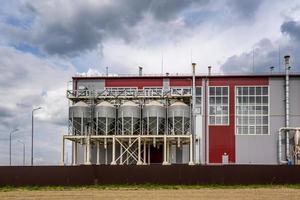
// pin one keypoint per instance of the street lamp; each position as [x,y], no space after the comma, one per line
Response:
[32,132]
[10,134]
[23,151]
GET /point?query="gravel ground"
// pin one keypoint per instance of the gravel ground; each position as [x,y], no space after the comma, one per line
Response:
[155,194]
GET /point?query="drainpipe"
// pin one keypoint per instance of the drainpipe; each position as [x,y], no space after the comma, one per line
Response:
[281,130]
[287,103]
[192,141]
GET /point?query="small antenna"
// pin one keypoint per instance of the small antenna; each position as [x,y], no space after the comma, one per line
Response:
[279,59]
[162,62]
[253,61]
[106,71]
[191,55]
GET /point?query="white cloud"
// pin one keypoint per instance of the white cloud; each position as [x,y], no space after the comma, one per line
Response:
[28,81]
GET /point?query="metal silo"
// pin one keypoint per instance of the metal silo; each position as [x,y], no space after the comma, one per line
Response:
[179,118]
[154,117]
[105,118]
[129,118]
[79,114]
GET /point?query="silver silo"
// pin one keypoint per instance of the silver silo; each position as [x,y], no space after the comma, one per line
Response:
[129,118]
[179,118]
[154,117]
[105,118]
[79,114]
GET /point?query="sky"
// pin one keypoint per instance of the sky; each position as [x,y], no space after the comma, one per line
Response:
[44,43]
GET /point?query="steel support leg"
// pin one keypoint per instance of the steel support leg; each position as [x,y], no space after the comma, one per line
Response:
[165,162]
[63,152]
[139,162]
[144,157]
[98,153]
[113,162]
[191,151]
[88,152]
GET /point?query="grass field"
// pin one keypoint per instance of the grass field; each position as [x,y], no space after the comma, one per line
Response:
[153,192]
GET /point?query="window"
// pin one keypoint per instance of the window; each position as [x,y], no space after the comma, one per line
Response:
[218,106]
[198,100]
[252,110]
[181,91]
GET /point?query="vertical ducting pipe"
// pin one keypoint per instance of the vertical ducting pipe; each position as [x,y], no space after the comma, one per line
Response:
[140,71]
[193,113]
[287,103]
[209,70]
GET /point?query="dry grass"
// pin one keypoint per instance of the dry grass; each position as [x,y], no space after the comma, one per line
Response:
[130,193]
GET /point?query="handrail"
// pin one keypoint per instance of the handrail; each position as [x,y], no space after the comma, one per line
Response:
[129,93]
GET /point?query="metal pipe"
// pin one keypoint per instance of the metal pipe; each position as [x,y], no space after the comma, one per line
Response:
[209,70]
[63,152]
[98,153]
[279,141]
[287,103]
[113,162]
[192,142]
[165,150]
[139,162]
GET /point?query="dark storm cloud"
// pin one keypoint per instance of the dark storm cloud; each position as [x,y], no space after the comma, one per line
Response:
[266,54]
[86,29]
[291,28]
[246,8]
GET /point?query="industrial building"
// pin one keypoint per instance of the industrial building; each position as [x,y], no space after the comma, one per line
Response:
[193,119]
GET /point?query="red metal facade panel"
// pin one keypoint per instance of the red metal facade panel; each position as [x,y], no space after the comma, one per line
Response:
[134,82]
[222,138]
[177,82]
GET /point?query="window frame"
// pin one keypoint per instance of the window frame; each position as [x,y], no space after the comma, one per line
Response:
[200,105]
[228,105]
[261,104]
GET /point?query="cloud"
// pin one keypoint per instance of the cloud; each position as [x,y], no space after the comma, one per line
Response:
[68,28]
[245,8]
[28,81]
[268,53]
[72,27]
[292,29]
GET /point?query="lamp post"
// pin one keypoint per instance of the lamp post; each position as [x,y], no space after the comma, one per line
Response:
[23,151]
[10,134]
[32,132]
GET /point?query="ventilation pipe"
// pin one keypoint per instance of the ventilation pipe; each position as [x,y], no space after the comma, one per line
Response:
[192,141]
[140,71]
[287,104]
[292,130]
[272,69]
[209,70]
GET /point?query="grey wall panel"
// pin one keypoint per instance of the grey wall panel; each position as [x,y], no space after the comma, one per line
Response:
[166,83]
[80,154]
[178,155]
[185,153]
[91,84]
[262,149]
[295,102]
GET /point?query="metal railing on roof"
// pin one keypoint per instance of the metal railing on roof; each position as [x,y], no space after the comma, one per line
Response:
[132,93]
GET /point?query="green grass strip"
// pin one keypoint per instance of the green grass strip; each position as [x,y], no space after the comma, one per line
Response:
[142,186]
